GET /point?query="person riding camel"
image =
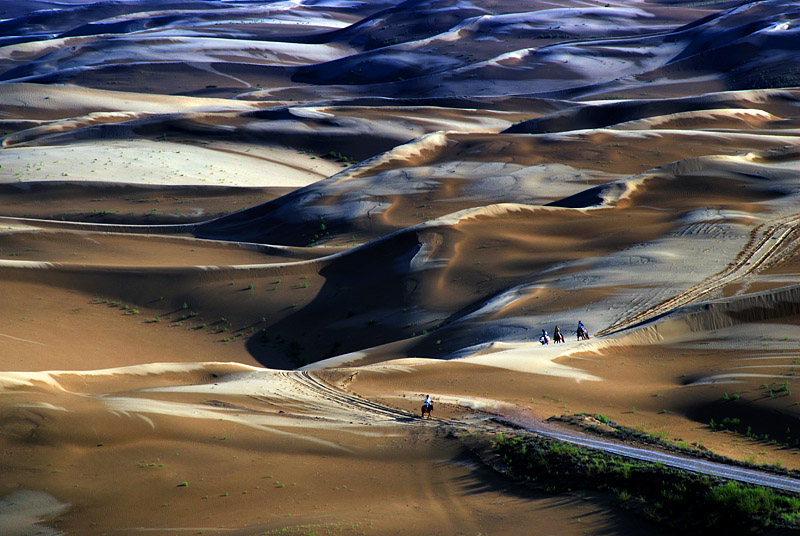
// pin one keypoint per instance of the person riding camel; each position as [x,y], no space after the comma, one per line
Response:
[582,333]
[545,338]
[427,406]
[557,336]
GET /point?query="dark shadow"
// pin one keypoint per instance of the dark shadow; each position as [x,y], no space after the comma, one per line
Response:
[749,419]
[483,479]
[339,319]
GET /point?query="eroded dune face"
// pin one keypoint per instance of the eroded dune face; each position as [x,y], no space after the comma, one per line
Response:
[239,240]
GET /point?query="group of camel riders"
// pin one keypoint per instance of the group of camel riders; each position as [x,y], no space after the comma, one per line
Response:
[427,403]
[558,337]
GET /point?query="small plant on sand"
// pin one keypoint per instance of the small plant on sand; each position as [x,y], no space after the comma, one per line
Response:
[661,434]
[250,286]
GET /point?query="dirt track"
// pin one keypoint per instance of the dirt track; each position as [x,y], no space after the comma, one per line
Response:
[332,400]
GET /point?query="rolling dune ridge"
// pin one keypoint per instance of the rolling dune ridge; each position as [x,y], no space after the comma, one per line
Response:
[240,241]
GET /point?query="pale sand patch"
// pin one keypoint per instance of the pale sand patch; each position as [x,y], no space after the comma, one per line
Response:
[162,163]
[15,379]
[272,424]
[532,358]
[743,139]
[15,226]
[202,50]
[715,119]
[72,101]
[22,512]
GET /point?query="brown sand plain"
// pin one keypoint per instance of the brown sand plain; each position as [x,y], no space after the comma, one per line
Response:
[239,244]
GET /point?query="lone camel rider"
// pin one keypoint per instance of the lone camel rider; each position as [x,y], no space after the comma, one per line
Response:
[427,406]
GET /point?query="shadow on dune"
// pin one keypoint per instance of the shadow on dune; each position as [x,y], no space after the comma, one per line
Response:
[756,417]
[483,479]
[356,307]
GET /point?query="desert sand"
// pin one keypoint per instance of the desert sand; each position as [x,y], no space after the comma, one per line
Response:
[239,242]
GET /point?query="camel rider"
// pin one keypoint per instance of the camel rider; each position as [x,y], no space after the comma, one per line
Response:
[428,403]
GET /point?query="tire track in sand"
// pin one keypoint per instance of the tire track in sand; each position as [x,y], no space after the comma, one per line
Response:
[769,243]
[373,413]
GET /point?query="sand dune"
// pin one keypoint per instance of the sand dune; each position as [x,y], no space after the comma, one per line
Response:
[239,242]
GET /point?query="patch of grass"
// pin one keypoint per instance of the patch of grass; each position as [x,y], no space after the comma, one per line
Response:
[661,434]
[679,499]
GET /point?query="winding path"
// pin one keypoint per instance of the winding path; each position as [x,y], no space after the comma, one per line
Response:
[730,472]
[370,411]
